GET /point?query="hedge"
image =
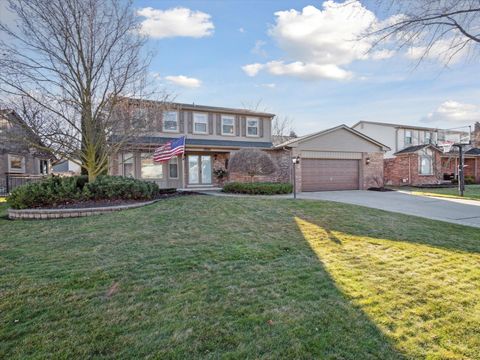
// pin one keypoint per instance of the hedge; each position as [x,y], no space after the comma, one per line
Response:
[62,190]
[258,188]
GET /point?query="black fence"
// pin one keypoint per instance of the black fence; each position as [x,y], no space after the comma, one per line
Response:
[9,182]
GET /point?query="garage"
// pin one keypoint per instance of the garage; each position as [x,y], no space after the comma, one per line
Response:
[330,174]
[339,158]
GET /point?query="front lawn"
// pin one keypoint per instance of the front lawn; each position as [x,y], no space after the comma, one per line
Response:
[210,277]
[472,192]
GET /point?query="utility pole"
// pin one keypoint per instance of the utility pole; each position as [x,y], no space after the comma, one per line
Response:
[295,161]
[461,168]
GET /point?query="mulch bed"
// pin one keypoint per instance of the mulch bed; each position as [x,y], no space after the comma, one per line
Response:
[116,202]
[381,189]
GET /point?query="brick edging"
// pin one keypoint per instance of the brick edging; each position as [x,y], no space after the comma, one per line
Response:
[43,214]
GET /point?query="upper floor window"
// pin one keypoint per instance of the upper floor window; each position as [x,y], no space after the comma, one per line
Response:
[228,125]
[427,137]
[200,123]
[252,127]
[170,121]
[408,137]
[16,163]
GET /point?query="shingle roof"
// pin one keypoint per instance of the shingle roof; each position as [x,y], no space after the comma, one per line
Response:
[156,140]
[473,151]
[415,148]
[395,125]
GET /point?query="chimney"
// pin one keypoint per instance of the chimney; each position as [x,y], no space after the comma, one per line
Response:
[476,135]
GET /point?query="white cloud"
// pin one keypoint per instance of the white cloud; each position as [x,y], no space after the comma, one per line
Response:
[268,85]
[174,22]
[184,81]
[454,113]
[242,30]
[446,51]
[258,48]
[318,43]
[252,69]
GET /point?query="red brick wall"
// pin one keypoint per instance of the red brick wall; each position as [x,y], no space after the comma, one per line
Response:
[397,171]
[372,173]
[472,166]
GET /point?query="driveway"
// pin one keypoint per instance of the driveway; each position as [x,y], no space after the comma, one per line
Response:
[463,212]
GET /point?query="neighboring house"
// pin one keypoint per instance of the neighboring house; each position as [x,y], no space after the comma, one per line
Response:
[66,168]
[339,158]
[212,135]
[17,159]
[416,156]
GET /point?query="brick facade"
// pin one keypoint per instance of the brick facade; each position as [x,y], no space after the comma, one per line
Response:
[372,173]
[472,166]
[404,170]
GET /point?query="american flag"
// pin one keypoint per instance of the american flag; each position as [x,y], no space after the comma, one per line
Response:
[169,150]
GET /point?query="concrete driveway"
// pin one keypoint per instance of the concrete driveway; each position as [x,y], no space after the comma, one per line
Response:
[463,212]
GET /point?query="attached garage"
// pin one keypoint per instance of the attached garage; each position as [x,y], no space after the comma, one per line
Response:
[337,159]
[329,174]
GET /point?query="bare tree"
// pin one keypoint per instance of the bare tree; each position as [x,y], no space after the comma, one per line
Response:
[65,67]
[252,162]
[442,28]
[282,129]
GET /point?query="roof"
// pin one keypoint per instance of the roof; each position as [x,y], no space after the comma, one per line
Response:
[156,140]
[395,125]
[323,132]
[473,151]
[60,167]
[415,148]
[194,106]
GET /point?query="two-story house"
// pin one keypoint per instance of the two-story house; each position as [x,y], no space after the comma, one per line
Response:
[417,154]
[18,160]
[212,134]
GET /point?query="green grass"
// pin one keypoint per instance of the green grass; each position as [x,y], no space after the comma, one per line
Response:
[207,277]
[472,192]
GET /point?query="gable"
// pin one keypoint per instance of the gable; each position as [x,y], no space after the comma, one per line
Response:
[340,139]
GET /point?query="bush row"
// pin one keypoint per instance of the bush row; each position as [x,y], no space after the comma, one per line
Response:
[61,190]
[258,188]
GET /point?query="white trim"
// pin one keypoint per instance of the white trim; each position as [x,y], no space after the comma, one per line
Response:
[206,123]
[246,126]
[22,161]
[178,122]
[233,125]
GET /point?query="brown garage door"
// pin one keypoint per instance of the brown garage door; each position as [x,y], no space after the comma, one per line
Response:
[322,174]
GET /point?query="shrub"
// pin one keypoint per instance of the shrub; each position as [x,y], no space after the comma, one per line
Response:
[258,188]
[61,190]
[470,180]
[252,162]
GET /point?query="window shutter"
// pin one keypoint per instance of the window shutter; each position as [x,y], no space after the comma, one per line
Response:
[190,122]
[181,121]
[243,122]
[260,127]
[237,125]
[210,123]
[218,121]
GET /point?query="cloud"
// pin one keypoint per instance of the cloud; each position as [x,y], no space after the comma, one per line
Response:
[446,51]
[252,69]
[319,43]
[174,22]
[268,85]
[184,81]
[454,112]
[242,30]
[258,48]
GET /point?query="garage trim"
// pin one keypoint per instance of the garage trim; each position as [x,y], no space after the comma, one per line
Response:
[331,155]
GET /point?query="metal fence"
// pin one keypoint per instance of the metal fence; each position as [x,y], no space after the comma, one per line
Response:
[9,182]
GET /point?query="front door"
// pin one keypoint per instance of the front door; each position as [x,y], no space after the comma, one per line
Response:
[199,170]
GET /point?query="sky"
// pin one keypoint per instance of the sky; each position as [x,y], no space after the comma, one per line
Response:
[299,59]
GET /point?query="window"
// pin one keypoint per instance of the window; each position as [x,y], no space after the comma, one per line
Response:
[173,168]
[228,125]
[127,164]
[43,166]
[200,123]
[170,121]
[426,165]
[408,137]
[16,163]
[252,127]
[150,169]
[427,137]
[139,118]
